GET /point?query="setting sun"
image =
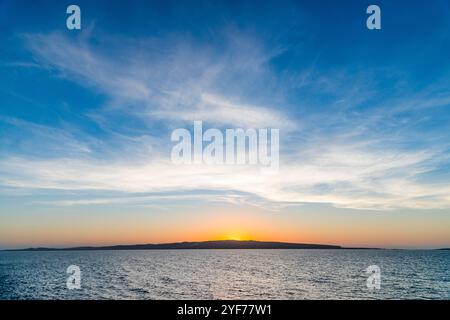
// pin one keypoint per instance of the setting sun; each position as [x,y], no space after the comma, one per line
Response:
[236,236]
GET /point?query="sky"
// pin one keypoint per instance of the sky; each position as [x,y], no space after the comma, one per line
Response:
[86,118]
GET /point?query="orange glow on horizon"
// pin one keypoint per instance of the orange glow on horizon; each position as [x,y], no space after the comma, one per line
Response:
[352,230]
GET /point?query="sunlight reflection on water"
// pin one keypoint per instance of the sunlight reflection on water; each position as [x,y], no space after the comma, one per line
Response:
[226,274]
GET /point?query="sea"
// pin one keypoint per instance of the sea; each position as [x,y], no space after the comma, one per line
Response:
[226,274]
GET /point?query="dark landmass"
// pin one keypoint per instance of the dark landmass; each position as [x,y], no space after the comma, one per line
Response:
[220,244]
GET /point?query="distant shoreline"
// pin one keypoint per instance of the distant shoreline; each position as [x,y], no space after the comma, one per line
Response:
[208,245]
[220,244]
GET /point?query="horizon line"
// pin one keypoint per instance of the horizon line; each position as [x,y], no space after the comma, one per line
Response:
[136,246]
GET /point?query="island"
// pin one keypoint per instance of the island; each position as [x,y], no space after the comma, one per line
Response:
[215,244]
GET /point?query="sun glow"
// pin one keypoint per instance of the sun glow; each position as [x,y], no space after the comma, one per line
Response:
[239,236]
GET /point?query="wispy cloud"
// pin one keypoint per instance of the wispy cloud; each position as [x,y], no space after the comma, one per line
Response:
[341,176]
[346,156]
[180,82]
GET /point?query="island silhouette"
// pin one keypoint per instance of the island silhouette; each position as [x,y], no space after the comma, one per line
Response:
[211,244]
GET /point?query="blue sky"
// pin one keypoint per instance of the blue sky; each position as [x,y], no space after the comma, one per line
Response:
[86,116]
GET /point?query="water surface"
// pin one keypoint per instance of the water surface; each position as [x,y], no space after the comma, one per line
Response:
[226,274]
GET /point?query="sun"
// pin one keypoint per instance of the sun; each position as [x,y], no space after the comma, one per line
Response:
[237,236]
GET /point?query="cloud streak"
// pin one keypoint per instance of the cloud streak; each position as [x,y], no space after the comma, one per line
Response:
[350,178]
[335,158]
[174,84]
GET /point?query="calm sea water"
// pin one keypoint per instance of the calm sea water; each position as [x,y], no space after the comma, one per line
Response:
[226,274]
